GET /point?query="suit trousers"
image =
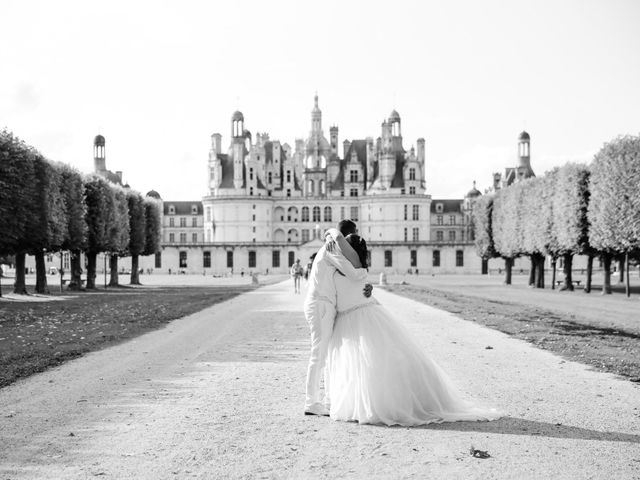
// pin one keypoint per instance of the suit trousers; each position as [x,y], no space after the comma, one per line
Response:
[320,315]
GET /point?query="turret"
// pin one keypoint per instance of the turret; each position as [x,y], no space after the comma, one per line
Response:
[422,158]
[524,157]
[216,143]
[99,161]
[333,139]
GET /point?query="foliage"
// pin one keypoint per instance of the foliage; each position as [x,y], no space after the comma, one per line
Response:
[482,209]
[506,223]
[17,177]
[99,212]
[614,206]
[153,225]
[75,237]
[137,223]
[119,224]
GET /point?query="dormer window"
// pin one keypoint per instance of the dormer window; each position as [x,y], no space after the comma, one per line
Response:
[172,210]
[412,174]
[194,209]
[439,207]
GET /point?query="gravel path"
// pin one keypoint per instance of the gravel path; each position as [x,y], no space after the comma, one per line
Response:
[219,394]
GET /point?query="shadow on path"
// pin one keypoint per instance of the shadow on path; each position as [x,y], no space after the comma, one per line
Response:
[520,426]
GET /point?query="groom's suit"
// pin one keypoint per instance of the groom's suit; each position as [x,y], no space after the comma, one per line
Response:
[320,312]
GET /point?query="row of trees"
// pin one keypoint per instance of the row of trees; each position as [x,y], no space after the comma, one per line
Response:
[572,210]
[49,207]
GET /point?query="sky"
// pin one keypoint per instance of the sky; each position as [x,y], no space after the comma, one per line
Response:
[157,78]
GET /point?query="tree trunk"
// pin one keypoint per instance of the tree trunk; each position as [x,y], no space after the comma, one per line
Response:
[41,274]
[532,271]
[621,266]
[508,263]
[113,270]
[553,272]
[606,284]
[135,269]
[19,286]
[568,266]
[587,285]
[627,285]
[540,271]
[75,280]
[92,258]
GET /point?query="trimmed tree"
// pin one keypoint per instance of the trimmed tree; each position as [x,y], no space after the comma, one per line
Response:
[506,225]
[118,232]
[76,229]
[614,207]
[137,232]
[99,212]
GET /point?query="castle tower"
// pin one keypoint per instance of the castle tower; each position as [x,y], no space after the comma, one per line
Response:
[396,131]
[99,160]
[422,158]
[524,157]
[237,148]
[316,117]
[333,139]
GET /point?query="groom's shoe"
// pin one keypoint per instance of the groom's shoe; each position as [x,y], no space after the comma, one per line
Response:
[317,409]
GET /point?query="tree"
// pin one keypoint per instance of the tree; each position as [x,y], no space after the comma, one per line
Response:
[507,227]
[137,232]
[118,232]
[50,216]
[570,226]
[16,178]
[614,206]
[99,213]
[75,239]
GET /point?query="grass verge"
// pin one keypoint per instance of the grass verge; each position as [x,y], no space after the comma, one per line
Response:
[605,349]
[36,336]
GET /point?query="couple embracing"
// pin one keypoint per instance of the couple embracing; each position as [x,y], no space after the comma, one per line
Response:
[373,371]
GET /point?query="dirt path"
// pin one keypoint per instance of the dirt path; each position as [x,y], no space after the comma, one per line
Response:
[219,394]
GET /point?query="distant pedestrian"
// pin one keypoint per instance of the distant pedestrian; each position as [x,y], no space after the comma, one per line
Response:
[296,274]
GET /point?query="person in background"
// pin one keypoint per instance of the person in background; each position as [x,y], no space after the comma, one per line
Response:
[296,273]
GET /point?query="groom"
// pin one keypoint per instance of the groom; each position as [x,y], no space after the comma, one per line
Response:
[320,308]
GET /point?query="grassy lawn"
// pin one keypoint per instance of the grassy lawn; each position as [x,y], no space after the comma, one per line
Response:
[571,324]
[37,335]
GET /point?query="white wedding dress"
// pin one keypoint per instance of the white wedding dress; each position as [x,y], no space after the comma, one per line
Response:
[379,375]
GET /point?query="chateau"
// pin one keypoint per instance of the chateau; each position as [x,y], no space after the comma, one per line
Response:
[267,204]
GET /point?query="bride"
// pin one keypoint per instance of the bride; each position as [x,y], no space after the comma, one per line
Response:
[378,374]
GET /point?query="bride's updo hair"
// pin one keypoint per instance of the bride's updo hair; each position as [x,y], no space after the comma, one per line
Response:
[360,246]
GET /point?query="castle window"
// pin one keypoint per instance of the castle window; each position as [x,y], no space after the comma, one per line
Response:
[353,192]
[342,193]
[316,214]
[305,235]
[183,259]
[436,258]
[251,191]
[288,175]
[353,176]
[183,238]
[406,234]
[251,174]
[183,222]
[354,214]
[252,259]
[194,238]
[416,234]
[206,259]
[172,222]
[459,258]
[412,190]
[452,235]
[194,209]
[275,259]
[172,237]
[416,212]
[305,214]
[323,188]
[388,258]
[327,214]
[158,262]
[341,213]
[440,220]
[172,210]
[406,212]
[288,192]
[452,219]
[438,207]
[194,221]
[414,258]
[230,259]
[270,177]
[439,236]
[412,174]
[402,191]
